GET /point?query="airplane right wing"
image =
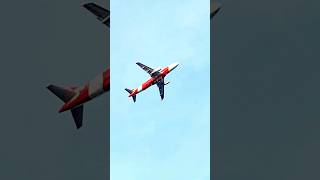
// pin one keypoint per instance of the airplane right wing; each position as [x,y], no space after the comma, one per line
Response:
[102,14]
[214,8]
[160,85]
[146,68]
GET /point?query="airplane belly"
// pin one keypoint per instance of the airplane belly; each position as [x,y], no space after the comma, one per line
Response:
[81,98]
[147,84]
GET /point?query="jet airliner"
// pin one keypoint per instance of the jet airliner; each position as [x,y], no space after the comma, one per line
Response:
[157,77]
[75,97]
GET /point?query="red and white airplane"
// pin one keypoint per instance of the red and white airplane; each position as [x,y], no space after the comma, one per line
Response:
[157,77]
[75,97]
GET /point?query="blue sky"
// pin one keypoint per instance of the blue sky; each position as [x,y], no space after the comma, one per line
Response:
[154,139]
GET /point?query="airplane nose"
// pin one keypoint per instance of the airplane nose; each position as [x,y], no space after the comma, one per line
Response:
[173,66]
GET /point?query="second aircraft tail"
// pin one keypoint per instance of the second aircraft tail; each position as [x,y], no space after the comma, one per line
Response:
[130,91]
[66,94]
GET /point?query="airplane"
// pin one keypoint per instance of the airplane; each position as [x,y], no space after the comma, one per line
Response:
[214,9]
[157,77]
[74,97]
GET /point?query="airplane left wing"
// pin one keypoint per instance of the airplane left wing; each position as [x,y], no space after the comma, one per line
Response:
[146,68]
[102,14]
[160,85]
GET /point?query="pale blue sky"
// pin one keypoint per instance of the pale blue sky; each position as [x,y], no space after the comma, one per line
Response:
[154,139]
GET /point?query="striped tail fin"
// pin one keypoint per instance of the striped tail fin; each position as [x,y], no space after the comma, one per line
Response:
[62,93]
[66,94]
[130,91]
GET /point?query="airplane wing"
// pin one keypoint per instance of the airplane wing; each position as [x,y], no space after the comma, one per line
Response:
[214,8]
[160,85]
[102,14]
[146,68]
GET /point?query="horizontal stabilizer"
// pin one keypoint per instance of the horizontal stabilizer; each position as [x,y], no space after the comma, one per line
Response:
[134,96]
[77,114]
[63,93]
[129,90]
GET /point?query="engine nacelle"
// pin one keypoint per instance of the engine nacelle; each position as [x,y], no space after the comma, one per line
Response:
[156,70]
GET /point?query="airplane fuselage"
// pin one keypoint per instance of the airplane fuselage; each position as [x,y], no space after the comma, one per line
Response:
[90,90]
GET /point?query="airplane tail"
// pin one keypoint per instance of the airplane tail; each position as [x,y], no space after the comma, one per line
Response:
[66,94]
[130,91]
[62,93]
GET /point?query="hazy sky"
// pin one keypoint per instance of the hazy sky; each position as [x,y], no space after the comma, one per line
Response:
[154,139]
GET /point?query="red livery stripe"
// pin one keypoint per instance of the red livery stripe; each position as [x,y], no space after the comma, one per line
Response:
[81,98]
[106,80]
